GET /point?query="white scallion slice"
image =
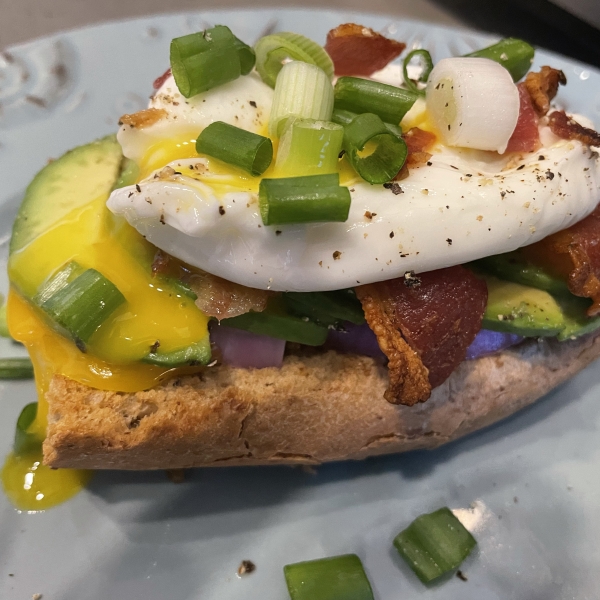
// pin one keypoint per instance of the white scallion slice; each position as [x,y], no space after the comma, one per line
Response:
[473,102]
[303,91]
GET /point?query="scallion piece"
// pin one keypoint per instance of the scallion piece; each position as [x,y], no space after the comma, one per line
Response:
[309,147]
[376,154]
[303,91]
[335,578]
[434,544]
[82,305]
[25,442]
[3,324]
[388,102]
[427,66]
[16,368]
[273,51]
[345,117]
[204,60]
[513,54]
[58,281]
[248,151]
[198,353]
[303,200]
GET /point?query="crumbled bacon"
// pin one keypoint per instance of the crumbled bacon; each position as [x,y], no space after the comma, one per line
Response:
[543,86]
[418,141]
[526,136]
[143,118]
[224,299]
[358,50]
[564,127]
[424,329]
[160,80]
[573,254]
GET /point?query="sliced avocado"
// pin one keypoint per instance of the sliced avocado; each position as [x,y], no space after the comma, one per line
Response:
[128,175]
[76,178]
[577,322]
[277,322]
[513,267]
[527,311]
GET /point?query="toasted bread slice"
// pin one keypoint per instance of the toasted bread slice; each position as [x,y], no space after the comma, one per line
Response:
[314,409]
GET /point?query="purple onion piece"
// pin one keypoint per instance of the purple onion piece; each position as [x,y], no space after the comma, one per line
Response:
[487,342]
[247,350]
[355,339]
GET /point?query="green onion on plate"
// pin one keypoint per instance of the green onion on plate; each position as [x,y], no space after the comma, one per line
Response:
[434,544]
[16,368]
[335,578]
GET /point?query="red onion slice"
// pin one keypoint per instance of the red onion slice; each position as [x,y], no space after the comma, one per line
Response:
[246,350]
[355,339]
[487,342]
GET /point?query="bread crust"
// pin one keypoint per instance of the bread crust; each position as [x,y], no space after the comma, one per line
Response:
[314,409]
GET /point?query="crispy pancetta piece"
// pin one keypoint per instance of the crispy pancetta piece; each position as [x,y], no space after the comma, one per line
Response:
[564,127]
[358,50]
[526,136]
[543,86]
[573,254]
[424,325]
[224,299]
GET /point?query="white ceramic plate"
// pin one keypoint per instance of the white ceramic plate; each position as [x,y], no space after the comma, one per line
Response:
[534,477]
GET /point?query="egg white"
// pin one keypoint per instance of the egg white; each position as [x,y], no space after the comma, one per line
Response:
[463,205]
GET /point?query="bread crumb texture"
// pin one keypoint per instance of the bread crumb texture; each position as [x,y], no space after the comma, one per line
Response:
[313,409]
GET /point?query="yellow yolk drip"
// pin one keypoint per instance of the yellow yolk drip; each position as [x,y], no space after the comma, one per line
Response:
[153,311]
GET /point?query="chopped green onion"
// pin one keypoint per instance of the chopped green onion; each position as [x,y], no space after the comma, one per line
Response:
[276,322]
[427,68]
[434,544]
[83,304]
[303,200]
[198,353]
[246,55]
[16,368]
[204,60]
[248,151]
[3,324]
[326,308]
[376,154]
[345,117]
[302,90]
[388,102]
[513,54]
[309,147]
[273,51]
[57,282]
[25,442]
[335,578]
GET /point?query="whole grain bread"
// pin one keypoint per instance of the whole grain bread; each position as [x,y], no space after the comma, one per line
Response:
[313,409]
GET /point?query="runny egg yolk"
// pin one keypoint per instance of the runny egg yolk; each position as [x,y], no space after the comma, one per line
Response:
[154,311]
